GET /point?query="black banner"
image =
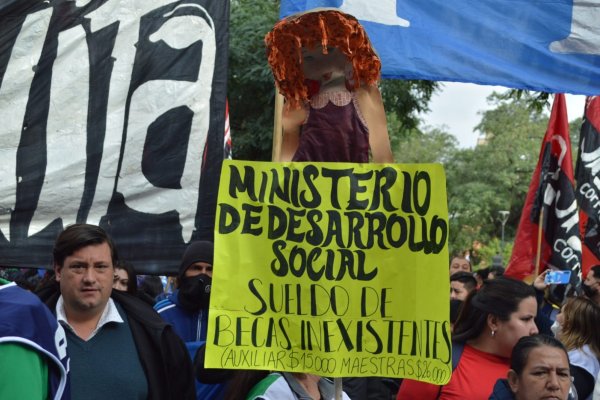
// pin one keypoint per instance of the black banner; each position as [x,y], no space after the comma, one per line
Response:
[112,113]
[587,173]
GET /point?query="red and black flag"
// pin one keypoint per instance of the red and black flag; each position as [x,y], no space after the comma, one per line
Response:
[549,225]
[587,173]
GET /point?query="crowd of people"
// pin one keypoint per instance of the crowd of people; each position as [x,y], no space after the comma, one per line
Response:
[92,329]
[518,341]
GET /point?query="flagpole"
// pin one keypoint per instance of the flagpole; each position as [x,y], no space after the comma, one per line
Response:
[538,255]
[337,386]
[277,126]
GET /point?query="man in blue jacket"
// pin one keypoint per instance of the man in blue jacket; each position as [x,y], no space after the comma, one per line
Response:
[186,309]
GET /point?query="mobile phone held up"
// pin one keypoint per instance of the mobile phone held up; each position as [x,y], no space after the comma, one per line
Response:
[557,277]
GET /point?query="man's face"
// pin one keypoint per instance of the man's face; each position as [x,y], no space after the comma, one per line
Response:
[199,268]
[459,264]
[86,279]
[458,291]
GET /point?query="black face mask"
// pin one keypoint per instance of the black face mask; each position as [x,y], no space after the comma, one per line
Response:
[588,290]
[194,292]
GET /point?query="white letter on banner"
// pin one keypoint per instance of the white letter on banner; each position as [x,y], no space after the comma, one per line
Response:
[14,94]
[380,11]
[584,37]
[153,99]
[590,160]
[127,14]
[563,214]
[66,129]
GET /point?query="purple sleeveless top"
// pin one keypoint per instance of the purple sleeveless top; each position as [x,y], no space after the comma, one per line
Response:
[333,131]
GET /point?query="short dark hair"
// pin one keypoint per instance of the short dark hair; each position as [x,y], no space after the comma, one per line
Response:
[496,270]
[596,271]
[520,352]
[152,285]
[77,236]
[466,278]
[482,273]
[500,297]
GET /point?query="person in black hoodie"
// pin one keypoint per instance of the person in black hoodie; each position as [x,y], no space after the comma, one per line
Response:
[118,345]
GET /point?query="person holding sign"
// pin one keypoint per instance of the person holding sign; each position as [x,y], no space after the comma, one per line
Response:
[492,320]
[325,67]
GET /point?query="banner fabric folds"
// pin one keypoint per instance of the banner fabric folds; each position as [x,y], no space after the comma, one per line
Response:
[551,196]
[544,45]
[587,173]
[112,113]
[331,268]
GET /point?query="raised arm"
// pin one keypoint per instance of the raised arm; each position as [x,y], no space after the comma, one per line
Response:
[291,122]
[371,106]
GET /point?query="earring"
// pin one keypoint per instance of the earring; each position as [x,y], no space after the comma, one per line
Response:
[493,333]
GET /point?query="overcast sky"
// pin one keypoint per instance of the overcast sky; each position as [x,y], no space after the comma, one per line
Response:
[458,106]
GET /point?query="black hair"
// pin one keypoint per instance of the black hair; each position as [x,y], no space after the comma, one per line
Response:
[455,306]
[482,273]
[596,271]
[77,236]
[496,270]
[152,285]
[131,275]
[520,352]
[242,382]
[500,297]
[466,278]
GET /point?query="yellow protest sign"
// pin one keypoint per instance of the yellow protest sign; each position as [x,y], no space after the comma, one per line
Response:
[331,268]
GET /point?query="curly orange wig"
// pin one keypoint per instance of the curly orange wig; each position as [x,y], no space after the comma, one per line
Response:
[326,28]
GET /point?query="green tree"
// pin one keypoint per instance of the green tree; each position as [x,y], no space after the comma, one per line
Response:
[431,146]
[496,174]
[403,102]
[251,90]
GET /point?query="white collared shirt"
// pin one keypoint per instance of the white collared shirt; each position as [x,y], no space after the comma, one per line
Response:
[110,314]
